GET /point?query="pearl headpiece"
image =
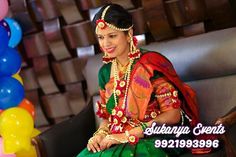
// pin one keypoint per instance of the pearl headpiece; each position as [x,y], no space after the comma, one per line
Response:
[102,24]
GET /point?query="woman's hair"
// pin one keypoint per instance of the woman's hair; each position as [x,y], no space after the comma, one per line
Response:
[115,15]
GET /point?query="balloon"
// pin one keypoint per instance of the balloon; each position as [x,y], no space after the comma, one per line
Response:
[4,39]
[2,154]
[26,104]
[16,32]
[5,25]
[12,144]
[18,77]
[27,153]
[35,132]
[4,8]
[31,152]
[11,92]
[10,62]
[16,127]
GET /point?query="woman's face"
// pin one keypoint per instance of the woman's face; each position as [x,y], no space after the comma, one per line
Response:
[114,43]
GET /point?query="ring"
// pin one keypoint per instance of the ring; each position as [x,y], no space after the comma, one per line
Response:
[90,140]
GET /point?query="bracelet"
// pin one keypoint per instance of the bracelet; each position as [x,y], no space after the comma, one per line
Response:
[112,138]
[143,126]
[101,130]
[132,139]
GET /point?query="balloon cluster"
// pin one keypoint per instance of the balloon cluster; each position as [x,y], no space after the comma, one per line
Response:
[16,112]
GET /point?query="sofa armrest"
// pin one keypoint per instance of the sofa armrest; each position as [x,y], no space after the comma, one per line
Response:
[228,120]
[67,138]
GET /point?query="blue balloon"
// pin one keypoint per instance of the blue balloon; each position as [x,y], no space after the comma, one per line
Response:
[10,62]
[16,32]
[11,92]
[5,25]
[3,39]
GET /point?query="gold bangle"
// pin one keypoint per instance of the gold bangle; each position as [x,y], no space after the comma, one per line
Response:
[102,130]
[112,138]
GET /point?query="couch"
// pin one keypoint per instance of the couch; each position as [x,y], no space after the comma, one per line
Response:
[207,62]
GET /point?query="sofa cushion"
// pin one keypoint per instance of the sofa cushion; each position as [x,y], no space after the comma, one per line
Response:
[216,96]
[202,56]
[90,73]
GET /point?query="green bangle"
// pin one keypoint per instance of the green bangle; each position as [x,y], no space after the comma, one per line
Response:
[143,126]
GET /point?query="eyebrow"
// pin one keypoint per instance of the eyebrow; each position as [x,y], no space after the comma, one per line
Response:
[106,34]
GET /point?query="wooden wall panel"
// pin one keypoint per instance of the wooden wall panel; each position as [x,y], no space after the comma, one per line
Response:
[220,14]
[193,29]
[56,106]
[127,4]
[52,31]
[184,12]
[69,11]
[29,79]
[44,75]
[140,25]
[40,118]
[157,21]
[19,12]
[75,97]
[36,45]
[80,34]
[34,11]
[89,4]
[69,71]
[48,9]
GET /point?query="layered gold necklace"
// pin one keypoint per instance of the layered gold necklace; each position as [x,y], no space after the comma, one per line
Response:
[120,84]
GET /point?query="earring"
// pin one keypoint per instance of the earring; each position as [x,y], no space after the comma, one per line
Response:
[134,51]
[105,58]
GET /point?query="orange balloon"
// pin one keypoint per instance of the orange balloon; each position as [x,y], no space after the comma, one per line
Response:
[26,104]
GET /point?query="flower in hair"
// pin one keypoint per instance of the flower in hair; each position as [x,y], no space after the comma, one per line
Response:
[101,24]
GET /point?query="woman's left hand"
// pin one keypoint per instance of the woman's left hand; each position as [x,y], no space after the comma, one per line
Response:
[112,139]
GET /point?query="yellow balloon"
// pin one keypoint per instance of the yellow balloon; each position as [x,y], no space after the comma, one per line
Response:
[32,151]
[27,153]
[35,132]
[18,77]
[16,127]
[12,144]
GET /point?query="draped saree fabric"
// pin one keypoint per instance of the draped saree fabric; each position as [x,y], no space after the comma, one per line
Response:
[147,73]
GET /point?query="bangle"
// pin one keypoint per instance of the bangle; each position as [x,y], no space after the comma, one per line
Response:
[143,126]
[113,138]
[101,130]
[132,139]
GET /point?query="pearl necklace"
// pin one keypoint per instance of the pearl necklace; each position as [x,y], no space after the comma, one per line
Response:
[116,79]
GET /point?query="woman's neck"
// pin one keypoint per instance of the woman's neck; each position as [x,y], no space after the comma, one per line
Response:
[123,60]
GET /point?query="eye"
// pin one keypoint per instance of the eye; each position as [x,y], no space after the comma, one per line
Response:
[112,35]
[100,37]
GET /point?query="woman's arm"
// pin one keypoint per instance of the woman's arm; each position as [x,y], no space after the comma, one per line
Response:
[169,117]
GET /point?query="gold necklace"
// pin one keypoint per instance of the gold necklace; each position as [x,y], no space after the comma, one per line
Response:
[121,83]
[121,67]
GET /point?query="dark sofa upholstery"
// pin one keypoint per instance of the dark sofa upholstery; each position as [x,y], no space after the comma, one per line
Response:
[207,62]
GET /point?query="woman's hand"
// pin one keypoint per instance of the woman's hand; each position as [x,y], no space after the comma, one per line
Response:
[94,143]
[109,140]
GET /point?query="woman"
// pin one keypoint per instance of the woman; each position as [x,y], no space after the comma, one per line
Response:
[136,88]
